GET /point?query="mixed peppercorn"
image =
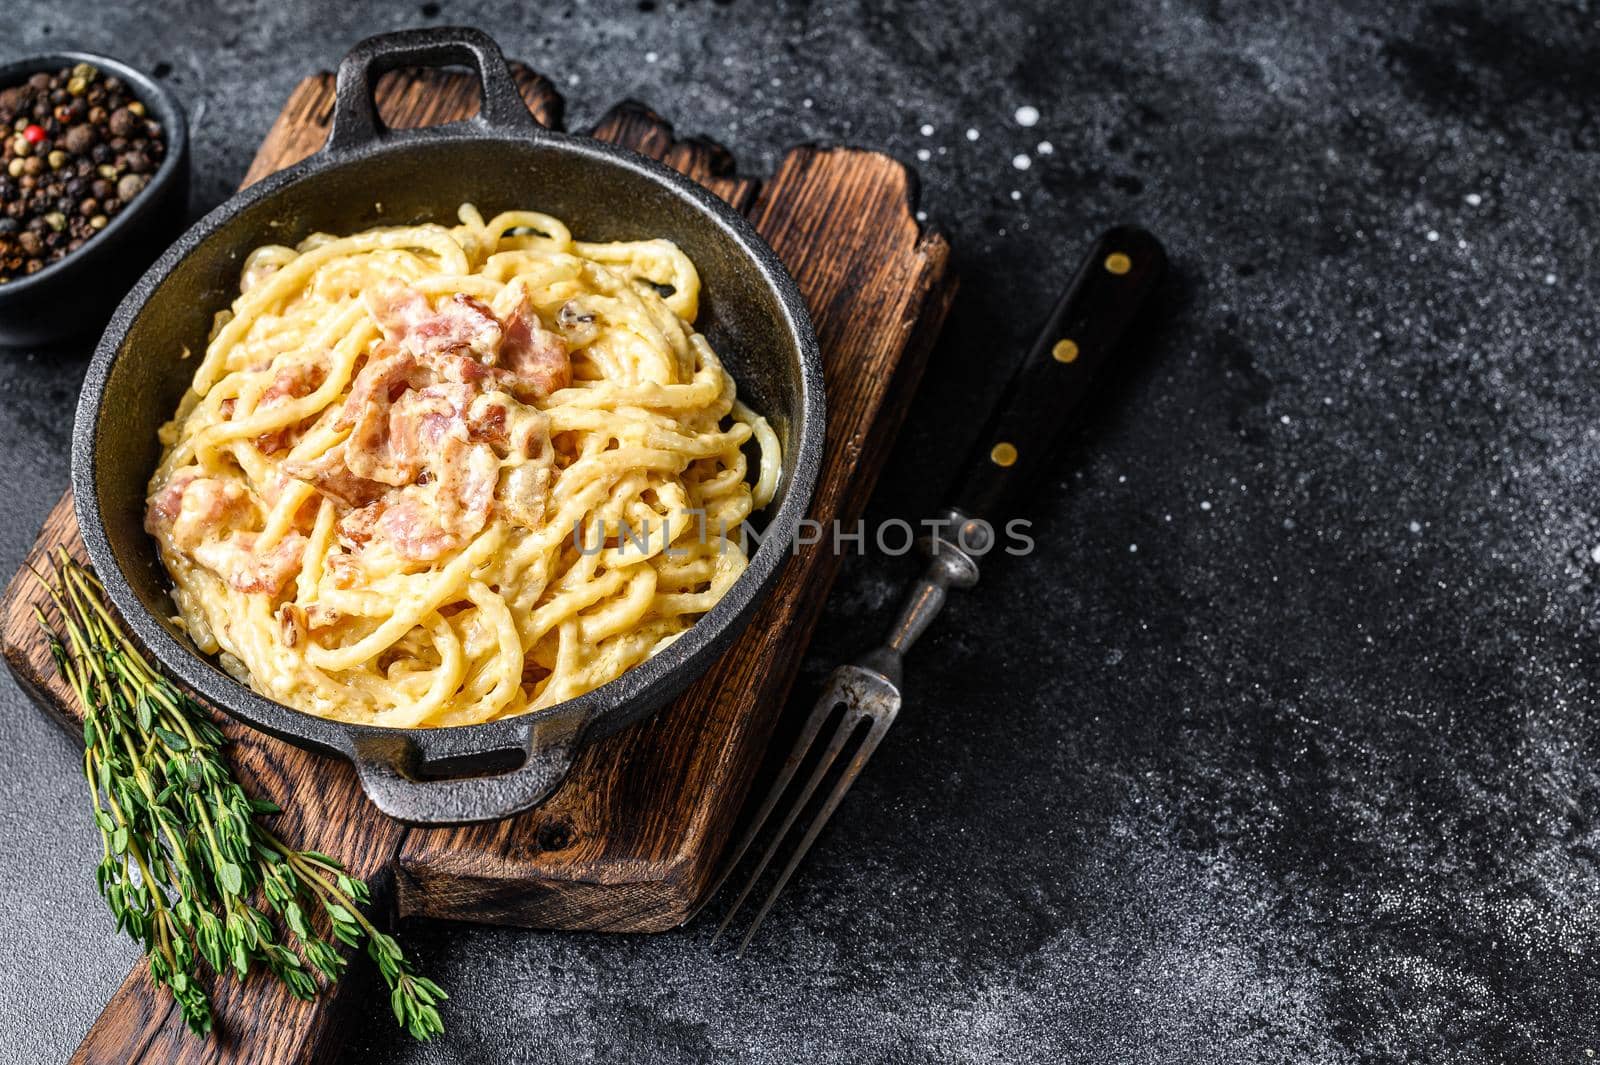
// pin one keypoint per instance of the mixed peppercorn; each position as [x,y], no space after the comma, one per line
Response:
[75,148]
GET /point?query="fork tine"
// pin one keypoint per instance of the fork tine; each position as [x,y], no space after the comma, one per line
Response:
[869,743]
[802,746]
[847,726]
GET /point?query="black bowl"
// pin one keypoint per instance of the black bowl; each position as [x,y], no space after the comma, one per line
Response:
[73,296]
[366,176]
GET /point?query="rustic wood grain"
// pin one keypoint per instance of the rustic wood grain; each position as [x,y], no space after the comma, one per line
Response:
[406,99]
[631,840]
[634,124]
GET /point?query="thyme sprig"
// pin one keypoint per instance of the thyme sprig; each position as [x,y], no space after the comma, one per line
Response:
[185,868]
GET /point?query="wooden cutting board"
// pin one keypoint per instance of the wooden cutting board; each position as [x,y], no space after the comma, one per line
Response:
[631,840]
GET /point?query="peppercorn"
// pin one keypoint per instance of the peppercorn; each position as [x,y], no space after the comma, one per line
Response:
[75,148]
[79,138]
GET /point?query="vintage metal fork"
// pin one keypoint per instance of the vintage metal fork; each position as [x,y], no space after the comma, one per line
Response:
[1102,301]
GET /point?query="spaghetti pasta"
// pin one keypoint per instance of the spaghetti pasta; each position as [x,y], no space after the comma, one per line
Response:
[432,476]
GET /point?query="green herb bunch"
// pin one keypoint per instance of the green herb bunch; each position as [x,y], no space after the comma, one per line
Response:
[186,869]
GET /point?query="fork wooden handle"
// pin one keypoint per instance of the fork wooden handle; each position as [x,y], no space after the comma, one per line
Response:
[1106,297]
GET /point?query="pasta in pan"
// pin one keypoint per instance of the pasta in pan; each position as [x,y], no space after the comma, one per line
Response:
[430,476]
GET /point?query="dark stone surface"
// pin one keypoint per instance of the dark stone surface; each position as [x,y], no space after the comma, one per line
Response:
[1281,745]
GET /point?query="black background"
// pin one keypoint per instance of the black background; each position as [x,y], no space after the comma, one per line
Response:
[1280,747]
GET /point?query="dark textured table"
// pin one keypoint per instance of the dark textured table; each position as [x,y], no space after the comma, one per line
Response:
[1281,745]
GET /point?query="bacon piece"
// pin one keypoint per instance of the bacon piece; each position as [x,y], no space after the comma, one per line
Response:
[236,561]
[420,422]
[189,506]
[328,474]
[420,523]
[381,381]
[486,421]
[408,321]
[292,382]
[467,475]
[525,494]
[535,357]
[291,625]
[405,521]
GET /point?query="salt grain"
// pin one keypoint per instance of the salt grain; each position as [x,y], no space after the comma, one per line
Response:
[1027,116]
[1433,234]
[927,130]
[1549,279]
[972,134]
[1016,194]
[924,155]
[650,57]
[1473,199]
[1045,148]
[1021,162]
[1415,526]
[1205,504]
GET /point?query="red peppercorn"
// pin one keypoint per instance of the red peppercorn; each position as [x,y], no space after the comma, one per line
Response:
[34,133]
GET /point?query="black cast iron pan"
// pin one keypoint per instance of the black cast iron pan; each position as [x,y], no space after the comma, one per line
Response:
[368,175]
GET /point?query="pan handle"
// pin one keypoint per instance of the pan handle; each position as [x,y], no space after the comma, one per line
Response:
[388,772]
[355,117]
